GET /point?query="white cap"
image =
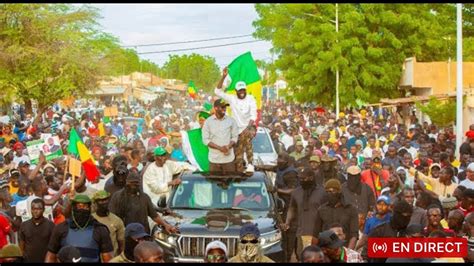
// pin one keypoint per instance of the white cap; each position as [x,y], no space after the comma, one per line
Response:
[382,138]
[216,245]
[240,85]
[470,167]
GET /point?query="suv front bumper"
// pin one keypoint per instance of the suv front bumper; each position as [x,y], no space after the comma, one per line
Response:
[274,252]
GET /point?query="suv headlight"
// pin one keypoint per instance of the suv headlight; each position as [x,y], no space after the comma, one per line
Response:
[165,239]
[269,239]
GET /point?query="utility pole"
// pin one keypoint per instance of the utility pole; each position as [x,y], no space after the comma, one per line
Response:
[337,69]
[459,85]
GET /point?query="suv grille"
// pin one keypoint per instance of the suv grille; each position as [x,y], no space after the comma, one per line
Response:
[195,246]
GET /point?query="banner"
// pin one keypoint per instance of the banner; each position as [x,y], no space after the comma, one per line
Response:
[49,145]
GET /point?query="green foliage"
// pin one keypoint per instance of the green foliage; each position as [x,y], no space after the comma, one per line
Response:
[369,49]
[122,61]
[50,51]
[203,70]
[440,113]
[57,50]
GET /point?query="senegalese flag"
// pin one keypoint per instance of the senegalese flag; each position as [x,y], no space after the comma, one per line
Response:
[195,150]
[244,68]
[76,147]
[192,90]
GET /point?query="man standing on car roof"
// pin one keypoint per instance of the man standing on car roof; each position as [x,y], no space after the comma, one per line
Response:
[220,133]
[244,111]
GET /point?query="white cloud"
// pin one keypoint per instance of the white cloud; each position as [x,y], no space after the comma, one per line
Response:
[157,23]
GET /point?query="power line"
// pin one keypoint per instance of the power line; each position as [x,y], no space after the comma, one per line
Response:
[197,48]
[193,41]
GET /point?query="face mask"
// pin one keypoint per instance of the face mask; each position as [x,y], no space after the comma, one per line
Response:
[81,217]
[120,175]
[133,190]
[353,182]
[333,198]
[130,245]
[102,209]
[399,221]
[307,184]
[249,252]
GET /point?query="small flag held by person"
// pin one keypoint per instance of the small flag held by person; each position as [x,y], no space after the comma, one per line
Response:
[76,147]
[192,90]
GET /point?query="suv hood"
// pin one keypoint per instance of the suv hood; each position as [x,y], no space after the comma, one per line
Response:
[222,222]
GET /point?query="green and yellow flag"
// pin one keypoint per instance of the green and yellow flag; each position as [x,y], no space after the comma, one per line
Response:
[192,90]
[244,68]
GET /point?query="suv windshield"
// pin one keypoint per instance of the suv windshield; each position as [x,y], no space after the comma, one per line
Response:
[261,143]
[212,194]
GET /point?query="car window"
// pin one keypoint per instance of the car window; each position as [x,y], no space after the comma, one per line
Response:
[262,143]
[208,194]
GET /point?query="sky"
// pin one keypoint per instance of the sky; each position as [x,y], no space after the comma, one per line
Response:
[136,24]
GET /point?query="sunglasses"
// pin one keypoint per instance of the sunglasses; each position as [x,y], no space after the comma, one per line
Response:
[253,241]
[215,257]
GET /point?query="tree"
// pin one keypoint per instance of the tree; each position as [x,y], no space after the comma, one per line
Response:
[122,61]
[369,50]
[203,70]
[441,113]
[50,51]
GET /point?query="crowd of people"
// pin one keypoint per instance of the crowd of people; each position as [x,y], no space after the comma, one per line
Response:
[343,177]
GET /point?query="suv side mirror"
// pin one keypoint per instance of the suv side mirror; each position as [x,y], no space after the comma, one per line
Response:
[162,202]
[280,204]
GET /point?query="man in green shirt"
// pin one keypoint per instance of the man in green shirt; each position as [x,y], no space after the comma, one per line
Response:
[113,222]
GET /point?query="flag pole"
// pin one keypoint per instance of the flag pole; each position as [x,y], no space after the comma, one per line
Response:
[66,169]
[459,85]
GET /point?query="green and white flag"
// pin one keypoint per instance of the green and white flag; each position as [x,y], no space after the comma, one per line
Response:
[195,150]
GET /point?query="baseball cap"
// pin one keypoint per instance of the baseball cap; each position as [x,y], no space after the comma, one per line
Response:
[10,251]
[101,194]
[159,151]
[81,199]
[220,102]
[68,254]
[299,143]
[23,163]
[216,245]
[383,138]
[449,202]
[384,199]
[5,150]
[249,229]
[470,167]
[354,170]
[315,158]
[329,239]
[135,230]
[359,142]
[14,172]
[240,86]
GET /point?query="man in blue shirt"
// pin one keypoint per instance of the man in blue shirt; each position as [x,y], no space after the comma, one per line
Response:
[383,214]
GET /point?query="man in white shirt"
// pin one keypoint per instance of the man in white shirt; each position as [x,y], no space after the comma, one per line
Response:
[220,133]
[469,181]
[158,176]
[244,111]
